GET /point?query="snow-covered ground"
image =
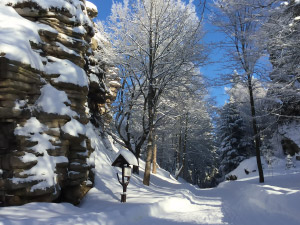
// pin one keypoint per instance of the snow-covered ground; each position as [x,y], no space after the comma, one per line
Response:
[169,202]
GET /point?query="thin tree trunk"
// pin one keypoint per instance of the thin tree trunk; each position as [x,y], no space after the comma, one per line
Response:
[184,148]
[179,172]
[138,151]
[135,169]
[162,158]
[255,131]
[154,164]
[179,149]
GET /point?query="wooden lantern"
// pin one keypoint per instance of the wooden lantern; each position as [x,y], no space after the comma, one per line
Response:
[123,160]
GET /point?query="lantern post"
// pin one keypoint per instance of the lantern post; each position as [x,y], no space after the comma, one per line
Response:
[123,160]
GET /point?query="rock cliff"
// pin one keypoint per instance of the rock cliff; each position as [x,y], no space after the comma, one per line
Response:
[54,82]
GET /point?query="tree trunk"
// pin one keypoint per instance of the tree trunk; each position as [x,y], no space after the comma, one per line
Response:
[161,150]
[151,96]
[255,131]
[184,148]
[154,164]
[179,172]
[146,180]
[135,169]
[180,154]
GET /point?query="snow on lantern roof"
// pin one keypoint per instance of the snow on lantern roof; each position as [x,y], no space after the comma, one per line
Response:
[125,157]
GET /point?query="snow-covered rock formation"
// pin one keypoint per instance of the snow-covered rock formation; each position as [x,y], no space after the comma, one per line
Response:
[283,48]
[52,83]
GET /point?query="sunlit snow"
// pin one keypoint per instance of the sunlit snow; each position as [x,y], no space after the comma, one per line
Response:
[168,201]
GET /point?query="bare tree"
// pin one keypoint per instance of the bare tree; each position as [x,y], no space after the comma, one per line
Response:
[240,21]
[156,41]
[130,110]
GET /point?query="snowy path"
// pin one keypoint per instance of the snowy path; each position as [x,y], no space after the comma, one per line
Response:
[169,202]
[236,203]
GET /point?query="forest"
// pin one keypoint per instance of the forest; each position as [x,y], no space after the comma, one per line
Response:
[164,112]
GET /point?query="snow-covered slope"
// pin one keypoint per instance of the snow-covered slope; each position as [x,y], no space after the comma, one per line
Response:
[167,201]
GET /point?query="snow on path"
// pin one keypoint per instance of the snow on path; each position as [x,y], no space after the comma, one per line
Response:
[167,201]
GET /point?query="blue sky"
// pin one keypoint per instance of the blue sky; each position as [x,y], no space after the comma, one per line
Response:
[210,71]
[104,7]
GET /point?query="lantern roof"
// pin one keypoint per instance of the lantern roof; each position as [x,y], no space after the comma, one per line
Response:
[125,157]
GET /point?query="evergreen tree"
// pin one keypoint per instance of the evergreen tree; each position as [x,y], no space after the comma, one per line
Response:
[234,146]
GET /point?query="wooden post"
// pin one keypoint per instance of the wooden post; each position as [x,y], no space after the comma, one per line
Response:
[123,195]
[123,183]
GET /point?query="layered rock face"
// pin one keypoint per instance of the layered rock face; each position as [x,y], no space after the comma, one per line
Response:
[103,75]
[50,82]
